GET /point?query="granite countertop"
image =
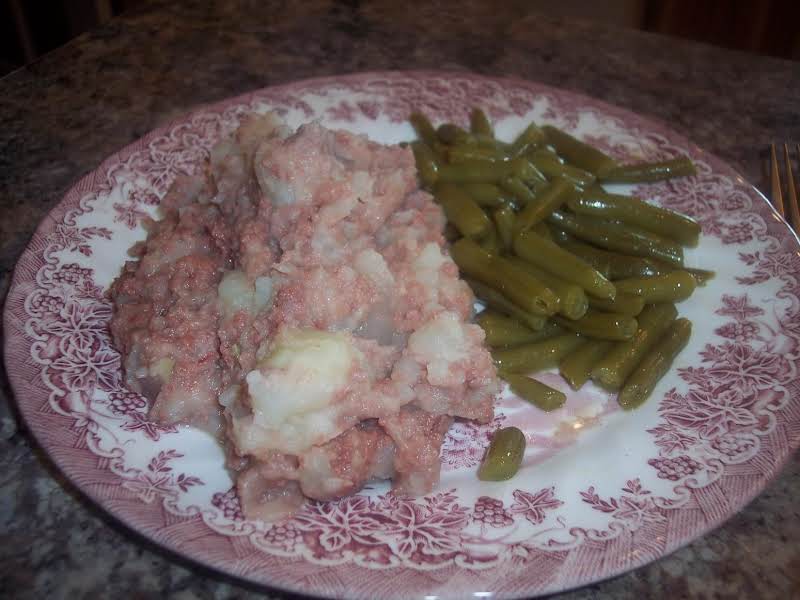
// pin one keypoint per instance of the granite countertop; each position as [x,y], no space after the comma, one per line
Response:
[61,116]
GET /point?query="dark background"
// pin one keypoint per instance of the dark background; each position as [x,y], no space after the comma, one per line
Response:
[30,28]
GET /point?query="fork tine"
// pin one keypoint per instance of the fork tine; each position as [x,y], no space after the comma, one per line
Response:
[791,191]
[775,188]
[797,157]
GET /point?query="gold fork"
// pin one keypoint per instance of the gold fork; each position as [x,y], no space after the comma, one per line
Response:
[792,213]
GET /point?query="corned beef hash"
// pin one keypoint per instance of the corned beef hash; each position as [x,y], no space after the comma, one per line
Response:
[296,300]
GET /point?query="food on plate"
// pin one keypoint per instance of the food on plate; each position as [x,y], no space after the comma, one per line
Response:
[577,367]
[655,364]
[479,123]
[577,153]
[647,172]
[514,283]
[494,299]
[504,455]
[551,257]
[502,331]
[296,299]
[537,393]
[550,251]
[462,211]
[636,212]
[601,325]
[619,236]
[622,304]
[537,356]
[670,287]
[612,370]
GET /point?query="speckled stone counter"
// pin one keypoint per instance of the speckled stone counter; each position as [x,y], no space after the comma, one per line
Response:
[62,115]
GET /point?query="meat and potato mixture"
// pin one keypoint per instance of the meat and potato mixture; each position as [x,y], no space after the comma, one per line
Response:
[296,300]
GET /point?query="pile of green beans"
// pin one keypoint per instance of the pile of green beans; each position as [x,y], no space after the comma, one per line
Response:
[572,276]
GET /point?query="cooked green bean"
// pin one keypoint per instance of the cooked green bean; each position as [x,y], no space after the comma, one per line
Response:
[613,369]
[612,264]
[551,166]
[542,230]
[503,332]
[639,213]
[598,259]
[517,285]
[550,160]
[578,153]
[474,171]
[491,241]
[547,151]
[655,365]
[558,235]
[558,192]
[521,192]
[595,189]
[657,267]
[547,155]
[462,211]
[554,259]
[614,236]
[485,194]
[504,218]
[702,276]
[648,172]
[535,392]
[479,124]
[576,367]
[451,234]
[637,233]
[622,304]
[488,141]
[531,138]
[440,151]
[605,238]
[494,299]
[423,127]
[572,301]
[427,167]
[670,287]
[525,170]
[529,358]
[504,456]
[602,326]
[465,153]
[451,134]
[625,267]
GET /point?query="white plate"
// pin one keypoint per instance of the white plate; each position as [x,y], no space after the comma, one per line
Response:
[601,491]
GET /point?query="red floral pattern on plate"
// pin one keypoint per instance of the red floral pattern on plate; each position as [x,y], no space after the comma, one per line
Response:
[634,508]
[533,506]
[158,480]
[491,512]
[732,404]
